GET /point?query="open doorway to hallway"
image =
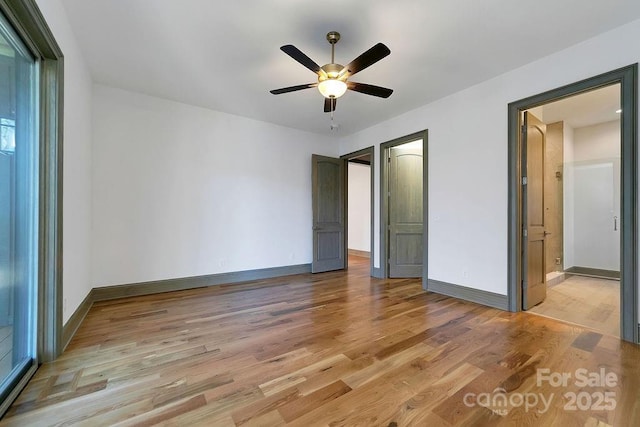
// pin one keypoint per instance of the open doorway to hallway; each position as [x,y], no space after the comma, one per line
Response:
[359,191]
[358,242]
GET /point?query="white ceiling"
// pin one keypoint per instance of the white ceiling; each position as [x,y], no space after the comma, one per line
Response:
[586,109]
[224,55]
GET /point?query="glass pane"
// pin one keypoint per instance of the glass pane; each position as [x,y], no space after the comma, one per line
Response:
[18,208]
[7,135]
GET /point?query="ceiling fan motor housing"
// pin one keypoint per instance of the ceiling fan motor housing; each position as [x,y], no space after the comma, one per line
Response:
[332,71]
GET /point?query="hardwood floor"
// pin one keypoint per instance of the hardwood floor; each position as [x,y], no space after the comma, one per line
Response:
[333,349]
[586,301]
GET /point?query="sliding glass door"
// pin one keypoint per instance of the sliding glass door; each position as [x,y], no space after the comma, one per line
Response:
[19,178]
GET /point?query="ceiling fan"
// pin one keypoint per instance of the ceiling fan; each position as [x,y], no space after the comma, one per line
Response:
[333,78]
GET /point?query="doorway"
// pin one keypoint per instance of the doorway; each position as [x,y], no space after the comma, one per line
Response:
[556,214]
[330,184]
[359,207]
[330,207]
[403,207]
[30,196]
[579,207]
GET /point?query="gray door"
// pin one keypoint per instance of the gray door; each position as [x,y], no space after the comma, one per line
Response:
[328,213]
[534,275]
[405,210]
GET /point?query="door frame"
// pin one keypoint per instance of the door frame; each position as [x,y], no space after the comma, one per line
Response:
[29,23]
[627,78]
[371,152]
[384,202]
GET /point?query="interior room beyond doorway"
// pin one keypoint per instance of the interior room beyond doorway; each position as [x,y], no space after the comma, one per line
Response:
[581,202]
[359,207]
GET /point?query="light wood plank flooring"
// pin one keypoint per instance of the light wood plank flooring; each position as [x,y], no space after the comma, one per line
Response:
[586,301]
[332,349]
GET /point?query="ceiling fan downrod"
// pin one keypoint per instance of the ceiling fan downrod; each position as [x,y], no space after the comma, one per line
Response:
[333,37]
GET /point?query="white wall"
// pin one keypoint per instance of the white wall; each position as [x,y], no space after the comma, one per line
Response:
[467,148]
[184,191]
[77,161]
[359,206]
[594,194]
[597,245]
[601,141]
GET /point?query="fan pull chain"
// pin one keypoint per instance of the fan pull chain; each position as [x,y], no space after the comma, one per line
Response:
[333,126]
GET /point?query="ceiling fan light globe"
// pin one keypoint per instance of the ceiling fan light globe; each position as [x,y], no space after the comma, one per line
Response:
[332,88]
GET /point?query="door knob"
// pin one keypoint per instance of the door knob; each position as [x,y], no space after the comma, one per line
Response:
[546,233]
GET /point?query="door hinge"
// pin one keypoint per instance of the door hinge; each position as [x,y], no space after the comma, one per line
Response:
[524,180]
[523,128]
[524,232]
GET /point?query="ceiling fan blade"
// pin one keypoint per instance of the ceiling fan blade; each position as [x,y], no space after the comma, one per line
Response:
[379,91]
[293,88]
[329,105]
[303,59]
[370,57]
